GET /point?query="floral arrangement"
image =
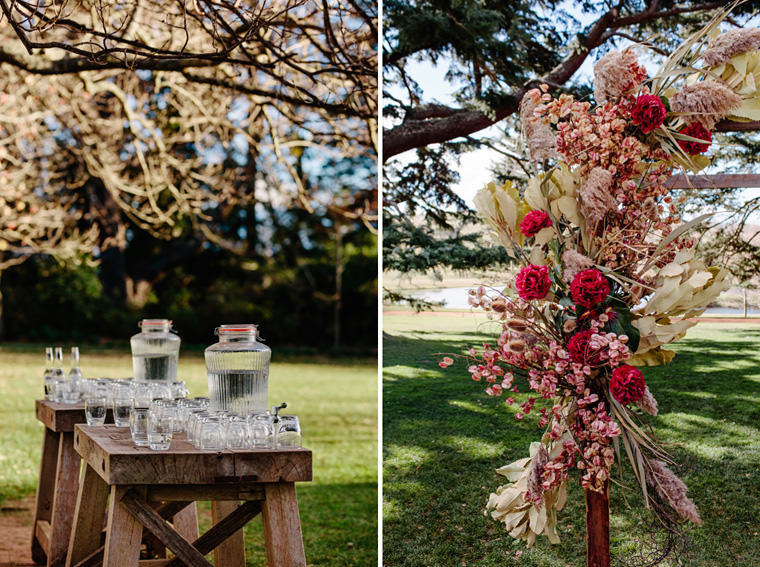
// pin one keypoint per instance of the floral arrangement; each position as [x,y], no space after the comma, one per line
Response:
[609,275]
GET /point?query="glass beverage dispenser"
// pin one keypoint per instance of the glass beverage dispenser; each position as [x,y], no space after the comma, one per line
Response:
[238,370]
[155,351]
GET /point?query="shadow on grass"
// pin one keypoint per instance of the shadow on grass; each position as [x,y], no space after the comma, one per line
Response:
[443,437]
[339,524]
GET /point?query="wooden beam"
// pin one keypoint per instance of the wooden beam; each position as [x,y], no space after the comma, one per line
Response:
[731,126]
[717,181]
[221,531]
[598,528]
[153,522]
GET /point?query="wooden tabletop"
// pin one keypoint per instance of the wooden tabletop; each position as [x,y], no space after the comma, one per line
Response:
[109,450]
[58,416]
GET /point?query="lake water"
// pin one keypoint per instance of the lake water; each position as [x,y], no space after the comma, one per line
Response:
[456,298]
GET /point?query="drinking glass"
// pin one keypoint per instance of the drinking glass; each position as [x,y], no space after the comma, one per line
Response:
[261,430]
[141,394]
[70,393]
[138,426]
[288,431]
[160,427]
[160,391]
[211,432]
[236,432]
[122,408]
[95,409]
[179,390]
[58,386]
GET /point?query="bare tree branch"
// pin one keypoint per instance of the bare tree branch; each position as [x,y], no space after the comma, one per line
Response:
[416,132]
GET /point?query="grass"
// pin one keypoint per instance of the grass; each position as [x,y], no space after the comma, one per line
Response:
[337,405]
[443,437]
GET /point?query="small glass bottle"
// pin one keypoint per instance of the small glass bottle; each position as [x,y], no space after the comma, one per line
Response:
[73,390]
[237,368]
[48,375]
[59,374]
[155,351]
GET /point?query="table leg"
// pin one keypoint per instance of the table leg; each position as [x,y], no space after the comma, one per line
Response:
[124,531]
[282,526]
[45,491]
[186,522]
[66,484]
[230,553]
[88,517]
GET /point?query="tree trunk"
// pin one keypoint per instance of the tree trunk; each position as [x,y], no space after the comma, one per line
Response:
[598,528]
[339,266]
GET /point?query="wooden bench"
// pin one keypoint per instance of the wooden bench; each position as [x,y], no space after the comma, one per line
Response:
[141,488]
[57,485]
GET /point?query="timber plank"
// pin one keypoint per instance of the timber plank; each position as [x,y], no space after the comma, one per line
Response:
[221,530]
[63,417]
[66,484]
[148,517]
[124,533]
[282,526]
[719,180]
[45,493]
[110,451]
[42,533]
[231,551]
[88,517]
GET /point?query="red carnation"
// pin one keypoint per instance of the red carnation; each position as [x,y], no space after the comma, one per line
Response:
[695,130]
[589,287]
[533,282]
[533,222]
[580,350]
[649,112]
[627,384]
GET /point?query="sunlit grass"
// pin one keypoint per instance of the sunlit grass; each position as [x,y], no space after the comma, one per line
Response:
[443,437]
[336,403]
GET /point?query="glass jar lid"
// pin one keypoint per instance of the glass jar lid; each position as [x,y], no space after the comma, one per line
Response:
[238,328]
[155,324]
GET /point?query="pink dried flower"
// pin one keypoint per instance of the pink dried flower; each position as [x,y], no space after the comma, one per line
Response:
[596,196]
[647,403]
[616,74]
[446,362]
[706,102]
[731,43]
[671,489]
[574,262]
[539,135]
[535,491]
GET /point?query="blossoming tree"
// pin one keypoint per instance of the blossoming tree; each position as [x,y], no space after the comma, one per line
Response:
[609,275]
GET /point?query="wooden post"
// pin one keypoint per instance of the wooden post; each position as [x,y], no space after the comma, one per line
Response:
[598,528]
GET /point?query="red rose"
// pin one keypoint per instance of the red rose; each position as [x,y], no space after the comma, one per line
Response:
[533,282]
[533,222]
[695,130]
[627,384]
[580,350]
[589,287]
[649,112]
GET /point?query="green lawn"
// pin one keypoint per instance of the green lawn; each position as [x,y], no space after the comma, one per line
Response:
[337,405]
[443,437]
